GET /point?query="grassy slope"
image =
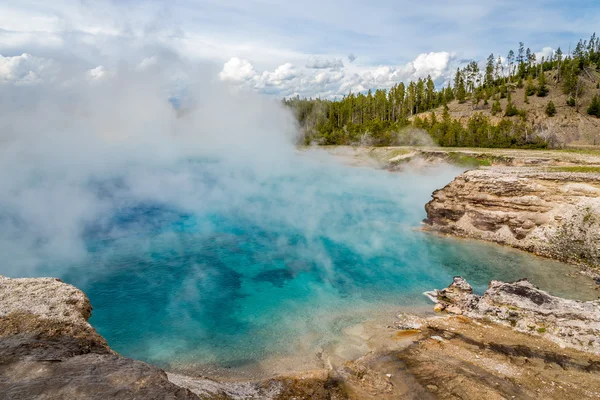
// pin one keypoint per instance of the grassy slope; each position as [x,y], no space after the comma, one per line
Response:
[571,125]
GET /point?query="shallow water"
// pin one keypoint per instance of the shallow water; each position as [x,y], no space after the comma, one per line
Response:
[241,265]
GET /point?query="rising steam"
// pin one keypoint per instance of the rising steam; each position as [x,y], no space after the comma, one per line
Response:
[72,151]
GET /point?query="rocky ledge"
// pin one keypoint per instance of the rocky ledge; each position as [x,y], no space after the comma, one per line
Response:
[49,351]
[547,212]
[524,307]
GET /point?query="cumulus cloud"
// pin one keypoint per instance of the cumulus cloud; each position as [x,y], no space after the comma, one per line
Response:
[25,69]
[98,73]
[330,78]
[546,53]
[351,57]
[237,70]
[147,63]
[242,72]
[434,64]
[323,63]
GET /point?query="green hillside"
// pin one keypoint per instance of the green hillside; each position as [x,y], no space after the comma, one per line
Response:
[516,102]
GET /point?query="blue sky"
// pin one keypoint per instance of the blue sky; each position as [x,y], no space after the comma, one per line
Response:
[268,44]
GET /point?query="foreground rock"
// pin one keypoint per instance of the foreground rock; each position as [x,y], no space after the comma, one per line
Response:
[49,351]
[463,358]
[521,305]
[553,214]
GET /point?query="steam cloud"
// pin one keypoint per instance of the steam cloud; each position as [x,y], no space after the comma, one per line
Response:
[76,151]
[62,143]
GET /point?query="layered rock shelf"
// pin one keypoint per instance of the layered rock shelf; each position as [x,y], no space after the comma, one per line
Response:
[526,308]
[515,341]
[48,350]
[550,213]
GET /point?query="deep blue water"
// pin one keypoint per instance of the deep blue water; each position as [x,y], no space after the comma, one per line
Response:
[233,264]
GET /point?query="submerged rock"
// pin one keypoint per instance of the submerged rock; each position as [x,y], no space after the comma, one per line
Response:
[526,308]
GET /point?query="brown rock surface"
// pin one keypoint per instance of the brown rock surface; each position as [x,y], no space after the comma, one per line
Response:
[553,214]
[521,305]
[463,358]
[49,351]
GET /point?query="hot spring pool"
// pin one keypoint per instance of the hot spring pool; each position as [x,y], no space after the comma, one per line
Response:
[214,263]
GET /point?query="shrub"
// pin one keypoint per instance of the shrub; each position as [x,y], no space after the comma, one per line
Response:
[542,91]
[496,108]
[530,89]
[594,108]
[520,83]
[551,109]
[571,102]
[511,110]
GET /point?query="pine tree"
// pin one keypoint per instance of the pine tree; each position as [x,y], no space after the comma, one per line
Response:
[430,93]
[521,54]
[530,58]
[446,114]
[530,88]
[457,78]
[489,71]
[449,95]
[542,90]
[461,93]
[511,60]
[559,58]
[550,109]
[499,69]
[521,59]
[496,107]
[594,108]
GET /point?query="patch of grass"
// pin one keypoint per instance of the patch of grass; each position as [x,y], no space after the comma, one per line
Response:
[590,169]
[398,152]
[541,330]
[465,160]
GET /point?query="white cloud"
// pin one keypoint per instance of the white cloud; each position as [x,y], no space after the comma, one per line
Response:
[284,72]
[147,63]
[25,69]
[237,70]
[317,79]
[98,73]
[325,77]
[546,52]
[434,64]
[324,63]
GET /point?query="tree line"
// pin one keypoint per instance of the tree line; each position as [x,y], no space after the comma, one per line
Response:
[387,117]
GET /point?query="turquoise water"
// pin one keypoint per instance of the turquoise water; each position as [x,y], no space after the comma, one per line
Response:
[236,264]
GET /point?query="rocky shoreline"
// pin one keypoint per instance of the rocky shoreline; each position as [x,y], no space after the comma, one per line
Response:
[515,341]
[554,214]
[48,350]
[545,202]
